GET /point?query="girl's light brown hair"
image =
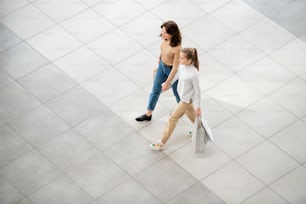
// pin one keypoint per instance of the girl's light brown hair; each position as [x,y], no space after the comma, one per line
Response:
[173,29]
[192,53]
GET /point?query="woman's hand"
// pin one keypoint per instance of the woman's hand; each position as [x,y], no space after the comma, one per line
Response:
[165,86]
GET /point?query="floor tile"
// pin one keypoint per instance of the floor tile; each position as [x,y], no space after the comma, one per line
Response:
[54,43]
[119,12]
[267,156]
[98,175]
[82,64]
[88,26]
[75,106]
[92,2]
[268,8]
[232,183]
[200,165]
[235,94]
[8,6]
[144,30]
[109,87]
[267,75]
[7,38]
[292,140]
[21,60]
[80,150]
[5,79]
[47,83]
[209,6]
[27,21]
[62,190]
[11,146]
[266,196]
[39,126]
[133,154]
[60,12]
[237,15]
[8,194]
[214,34]
[104,129]
[20,172]
[303,37]
[292,56]
[291,97]
[236,53]
[115,47]
[290,17]
[141,64]
[292,186]
[130,193]
[23,201]
[15,101]
[160,179]
[267,36]
[196,194]
[235,137]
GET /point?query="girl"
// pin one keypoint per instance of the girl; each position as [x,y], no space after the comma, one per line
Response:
[168,64]
[189,92]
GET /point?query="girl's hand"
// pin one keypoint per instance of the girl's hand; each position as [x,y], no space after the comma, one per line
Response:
[198,112]
[165,86]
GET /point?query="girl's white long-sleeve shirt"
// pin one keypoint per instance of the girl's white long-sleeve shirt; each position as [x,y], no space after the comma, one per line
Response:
[188,85]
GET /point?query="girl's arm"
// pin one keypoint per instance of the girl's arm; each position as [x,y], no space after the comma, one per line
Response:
[197,95]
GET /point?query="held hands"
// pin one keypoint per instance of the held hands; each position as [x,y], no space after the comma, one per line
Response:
[165,86]
[198,112]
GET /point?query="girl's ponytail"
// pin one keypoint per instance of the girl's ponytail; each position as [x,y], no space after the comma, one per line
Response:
[192,53]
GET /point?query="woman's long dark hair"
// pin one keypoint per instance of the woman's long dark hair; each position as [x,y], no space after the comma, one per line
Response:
[172,29]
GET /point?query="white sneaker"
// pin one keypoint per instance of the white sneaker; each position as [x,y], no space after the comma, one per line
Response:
[189,133]
[158,146]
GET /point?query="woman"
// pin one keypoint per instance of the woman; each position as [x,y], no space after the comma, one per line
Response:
[168,63]
[189,91]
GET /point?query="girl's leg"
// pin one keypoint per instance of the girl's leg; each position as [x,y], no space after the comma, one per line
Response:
[178,112]
[190,112]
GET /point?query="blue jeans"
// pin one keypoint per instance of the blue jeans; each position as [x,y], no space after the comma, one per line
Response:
[162,74]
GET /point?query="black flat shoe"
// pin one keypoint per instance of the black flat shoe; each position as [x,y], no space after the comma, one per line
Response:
[143,117]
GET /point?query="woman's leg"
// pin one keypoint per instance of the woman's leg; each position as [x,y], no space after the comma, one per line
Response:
[178,112]
[174,90]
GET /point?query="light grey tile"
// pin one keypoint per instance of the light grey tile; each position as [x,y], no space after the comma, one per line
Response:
[15,101]
[7,6]
[235,137]
[268,8]
[119,12]
[39,126]
[5,79]
[292,96]
[267,117]
[88,26]
[196,194]
[150,4]
[75,106]
[63,190]
[292,140]
[11,145]
[61,11]
[161,179]
[303,37]
[98,175]
[266,196]
[68,150]
[30,172]
[104,129]
[21,60]
[292,186]
[115,47]
[27,21]
[47,83]
[129,192]
[191,12]
[132,154]
[7,38]
[208,6]
[232,183]
[8,194]
[292,17]
[24,201]
[54,43]
[267,162]
[237,15]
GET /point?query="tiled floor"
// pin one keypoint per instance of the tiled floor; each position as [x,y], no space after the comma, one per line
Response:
[75,73]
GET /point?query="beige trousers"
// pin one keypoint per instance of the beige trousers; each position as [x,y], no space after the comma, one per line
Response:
[178,112]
